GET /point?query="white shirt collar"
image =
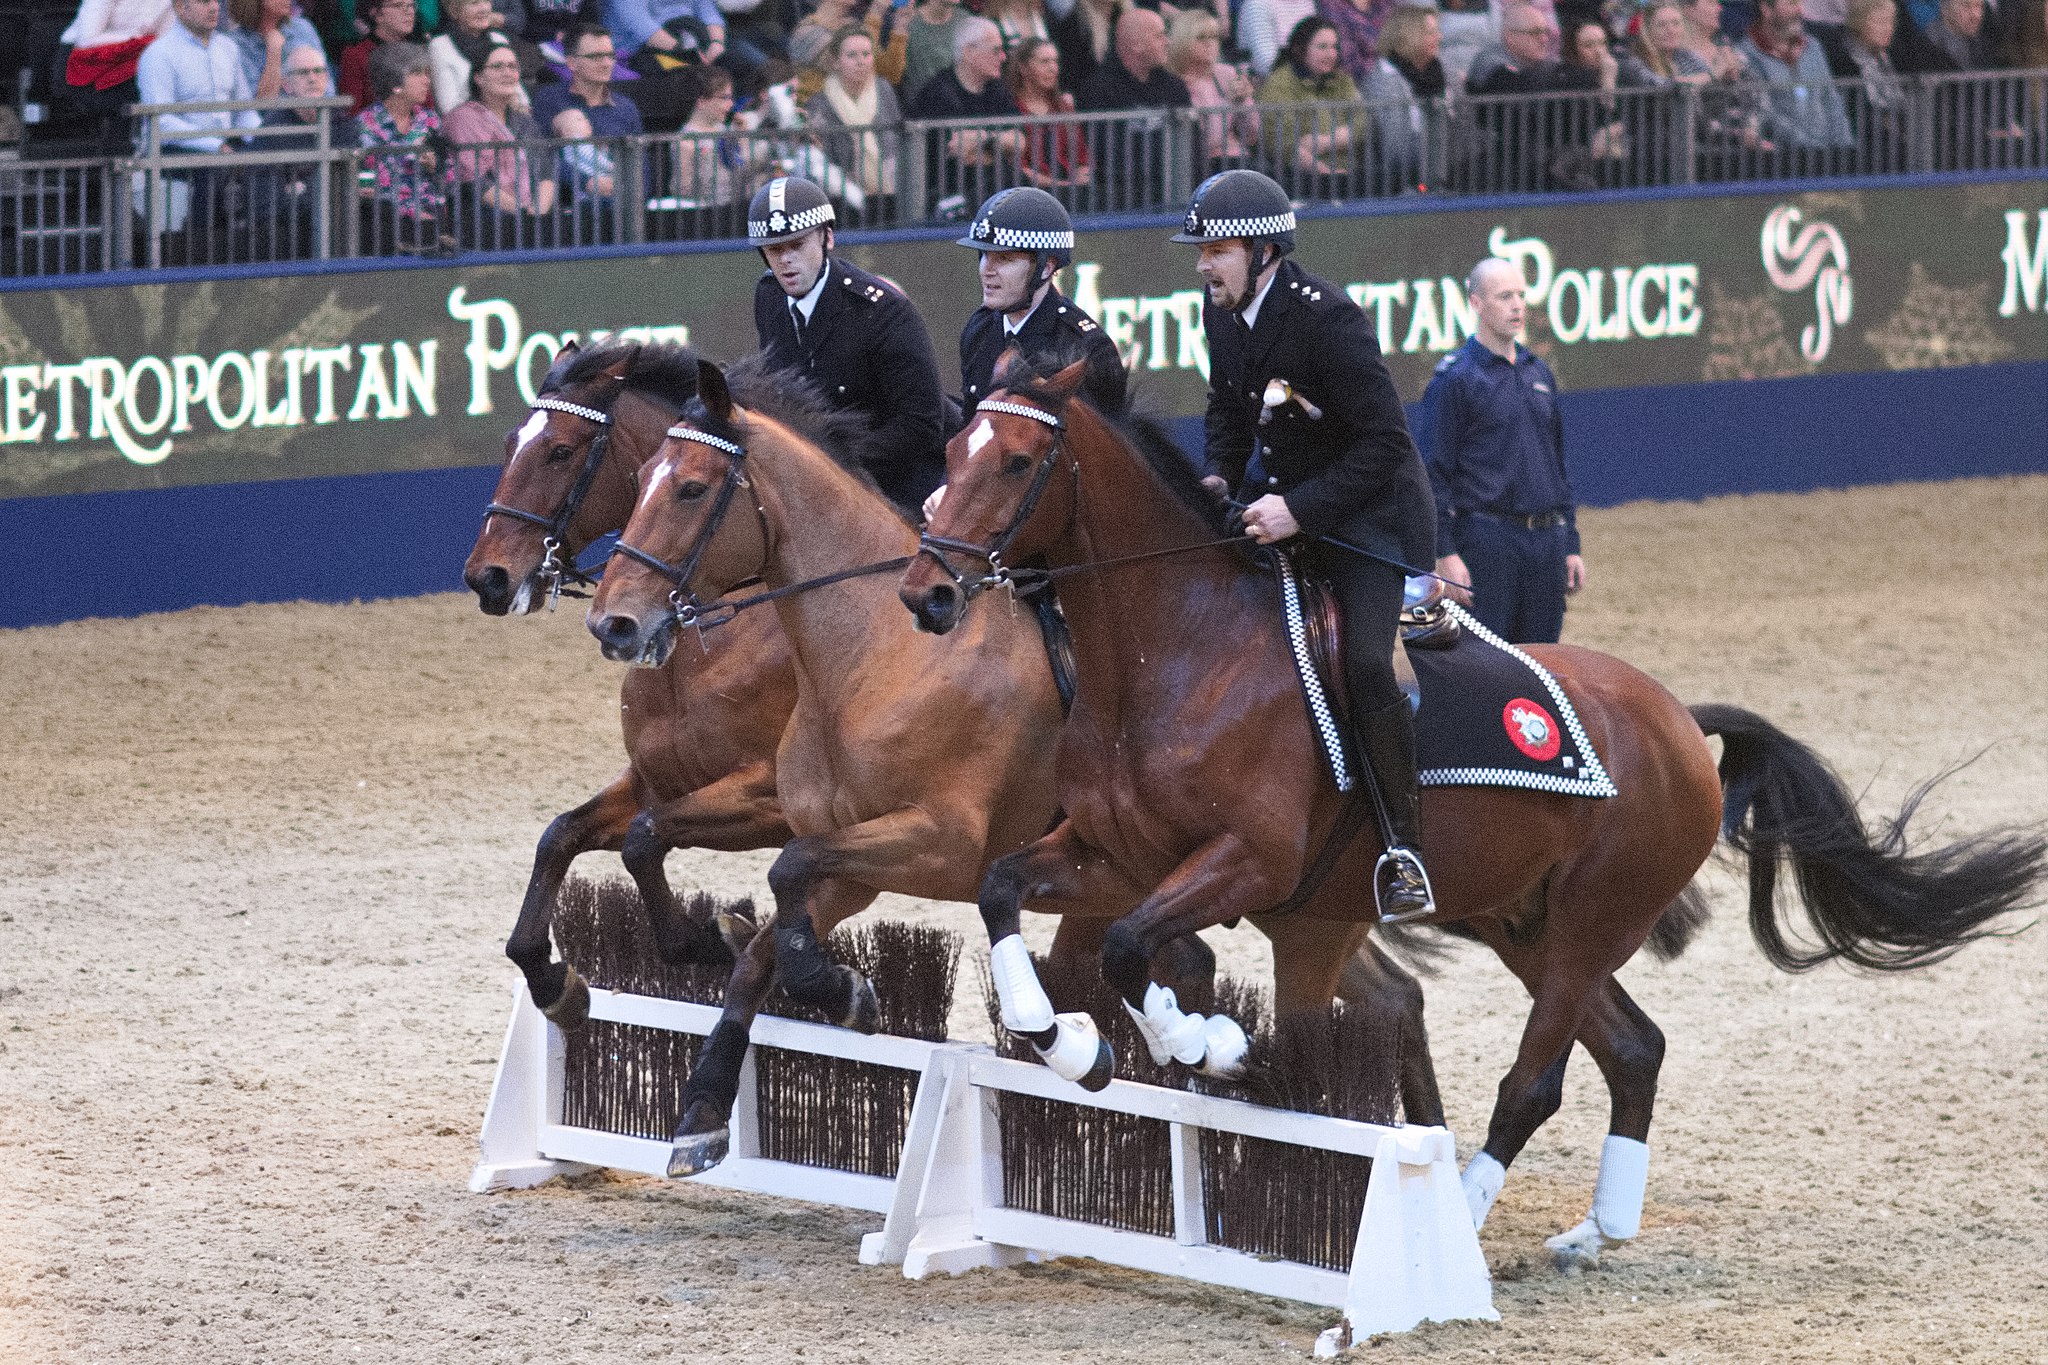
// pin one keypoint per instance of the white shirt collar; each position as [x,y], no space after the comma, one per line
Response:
[1251,312]
[808,304]
[1011,329]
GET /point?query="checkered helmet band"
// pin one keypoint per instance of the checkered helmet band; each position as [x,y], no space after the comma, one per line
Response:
[1269,226]
[1022,239]
[780,223]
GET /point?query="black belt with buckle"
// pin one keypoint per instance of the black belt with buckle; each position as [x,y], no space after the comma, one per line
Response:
[1534,521]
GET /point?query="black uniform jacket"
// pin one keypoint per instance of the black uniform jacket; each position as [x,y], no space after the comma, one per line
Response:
[866,349]
[1355,466]
[1056,328]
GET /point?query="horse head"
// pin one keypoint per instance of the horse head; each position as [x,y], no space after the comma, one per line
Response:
[680,546]
[1001,503]
[536,514]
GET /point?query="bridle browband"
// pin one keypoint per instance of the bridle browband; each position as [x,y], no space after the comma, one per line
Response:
[993,552]
[555,529]
[688,610]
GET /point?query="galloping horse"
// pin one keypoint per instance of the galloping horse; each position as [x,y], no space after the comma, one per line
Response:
[701,731]
[1191,782]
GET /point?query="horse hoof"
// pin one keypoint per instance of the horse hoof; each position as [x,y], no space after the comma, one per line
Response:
[696,1153]
[1577,1251]
[1078,1052]
[571,1009]
[1099,1075]
[864,1011]
[737,931]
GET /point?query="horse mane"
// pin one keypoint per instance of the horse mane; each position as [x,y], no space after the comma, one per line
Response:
[658,369]
[1143,432]
[787,397]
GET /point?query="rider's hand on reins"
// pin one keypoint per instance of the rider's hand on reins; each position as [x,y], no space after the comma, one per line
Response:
[1268,519]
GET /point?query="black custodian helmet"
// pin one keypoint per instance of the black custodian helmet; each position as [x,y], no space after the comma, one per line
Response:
[1239,203]
[1023,220]
[784,209]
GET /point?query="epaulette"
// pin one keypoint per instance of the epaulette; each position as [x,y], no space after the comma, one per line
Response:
[1447,362]
[1307,291]
[1082,322]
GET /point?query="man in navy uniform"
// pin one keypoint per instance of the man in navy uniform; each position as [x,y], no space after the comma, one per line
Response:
[1025,239]
[851,334]
[1304,418]
[1506,526]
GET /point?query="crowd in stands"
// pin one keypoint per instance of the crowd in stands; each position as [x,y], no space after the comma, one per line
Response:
[1319,88]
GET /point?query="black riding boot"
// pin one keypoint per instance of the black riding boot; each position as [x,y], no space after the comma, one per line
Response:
[1386,738]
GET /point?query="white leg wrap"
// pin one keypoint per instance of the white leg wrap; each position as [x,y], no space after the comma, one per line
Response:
[1170,1034]
[1482,1180]
[1073,1052]
[1224,1046]
[1026,1007]
[1618,1193]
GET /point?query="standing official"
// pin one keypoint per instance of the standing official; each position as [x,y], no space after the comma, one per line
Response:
[1506,526]
[1025,239]
[1304,416]
[851,334]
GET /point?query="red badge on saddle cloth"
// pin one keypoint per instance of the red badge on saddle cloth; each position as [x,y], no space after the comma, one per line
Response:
[1533,729]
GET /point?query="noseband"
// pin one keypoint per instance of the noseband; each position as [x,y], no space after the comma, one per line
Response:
[555,529]
[937,546]
[688,610]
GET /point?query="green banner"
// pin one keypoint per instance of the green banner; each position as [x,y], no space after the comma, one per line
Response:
[154,385]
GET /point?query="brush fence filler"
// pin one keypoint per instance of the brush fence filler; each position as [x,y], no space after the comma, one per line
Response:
[1416,1257]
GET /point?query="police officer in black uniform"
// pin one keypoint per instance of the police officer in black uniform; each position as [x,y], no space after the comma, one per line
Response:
[1025,239]
[852,334]
[1304,419]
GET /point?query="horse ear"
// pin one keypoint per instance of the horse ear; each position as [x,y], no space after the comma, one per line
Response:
[1011,357]
[569,348]
[1067,382]
[712,391]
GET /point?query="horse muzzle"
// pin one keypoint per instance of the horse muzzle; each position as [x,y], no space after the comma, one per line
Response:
[937,608]
[627,639]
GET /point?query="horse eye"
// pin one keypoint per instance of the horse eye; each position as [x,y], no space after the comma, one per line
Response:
[692,490]
[558,453]
[1017,464]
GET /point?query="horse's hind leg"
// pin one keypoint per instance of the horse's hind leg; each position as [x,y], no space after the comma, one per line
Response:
[1370,975]
[600,822]
[1186,965]
[736,812]
[1629,1050]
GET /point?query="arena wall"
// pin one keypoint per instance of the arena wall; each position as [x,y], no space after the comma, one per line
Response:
[333,432]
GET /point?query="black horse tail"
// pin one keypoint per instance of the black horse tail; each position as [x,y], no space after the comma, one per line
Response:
[1871,901]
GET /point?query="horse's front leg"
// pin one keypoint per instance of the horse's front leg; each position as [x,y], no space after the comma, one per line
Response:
[739,811]
[1068,877]
[601,822]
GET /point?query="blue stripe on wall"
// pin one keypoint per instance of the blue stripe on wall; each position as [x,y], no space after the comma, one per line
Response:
[393,535]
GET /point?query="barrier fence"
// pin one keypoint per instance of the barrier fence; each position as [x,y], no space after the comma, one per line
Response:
[294,191]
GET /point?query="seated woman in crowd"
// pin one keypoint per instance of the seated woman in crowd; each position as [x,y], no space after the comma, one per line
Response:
[410,208]
[1602,133]
[1877,111]
[810,40]
[855,112]
[390,21]
[1657,58]
[709,166]
[265,30]
[469,37]
[1194,52]
[1054,155]
[1323,142]
[1409,72]
[505,200]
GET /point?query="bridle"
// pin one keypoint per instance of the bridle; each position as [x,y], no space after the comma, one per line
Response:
[993,552]
[555,529]
[687,609]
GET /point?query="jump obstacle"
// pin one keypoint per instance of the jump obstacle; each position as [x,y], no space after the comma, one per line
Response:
[981,1160]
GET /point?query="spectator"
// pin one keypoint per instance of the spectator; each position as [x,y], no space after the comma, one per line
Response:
[589,88]
[504,199]
[1542,145]
[1016,20]
[410,208]
[1596,125]
[1135,76]
[1358,24]
[1054,156]
[469,39]
[810,40]
[1263,26]
[661,36]
[391,21]
[1194,52]
[1085,34]
[190,63]
[282,198]
[709,166]
[928,43]
[1528,36]
[1877,108]
[1410,70]
[591,175]
[754,35]
[853,105]
[1657,58]
[263,30]
[1708,45]
[1803,111]
[1323,143]
[96,57]
[1469,28]
[1955,41]
[971,88]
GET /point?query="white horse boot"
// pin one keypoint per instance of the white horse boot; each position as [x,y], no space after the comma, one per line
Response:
[1170,1034]
[1482,1181]
[1025,1006]
[1223,1046]
[1617,1207]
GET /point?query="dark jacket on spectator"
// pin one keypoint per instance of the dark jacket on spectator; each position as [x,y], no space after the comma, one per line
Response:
[944,97]
[1916,52]
[1113,87]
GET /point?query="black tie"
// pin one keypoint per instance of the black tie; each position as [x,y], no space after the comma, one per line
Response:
[796,320]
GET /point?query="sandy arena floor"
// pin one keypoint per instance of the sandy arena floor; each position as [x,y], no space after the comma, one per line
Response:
[259,864]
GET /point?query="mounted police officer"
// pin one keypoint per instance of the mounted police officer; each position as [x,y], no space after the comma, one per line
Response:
[1025,239]
[854,335]
[1304,419]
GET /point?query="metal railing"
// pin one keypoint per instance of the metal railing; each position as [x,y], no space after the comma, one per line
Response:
[297,192]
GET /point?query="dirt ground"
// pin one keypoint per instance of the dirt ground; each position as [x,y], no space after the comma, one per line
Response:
[259,864]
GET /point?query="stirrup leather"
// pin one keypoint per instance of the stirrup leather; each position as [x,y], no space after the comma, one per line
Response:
[1392,864]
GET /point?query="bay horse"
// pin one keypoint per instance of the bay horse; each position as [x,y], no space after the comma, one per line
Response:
[701,731]
[910,763]
[1194,793]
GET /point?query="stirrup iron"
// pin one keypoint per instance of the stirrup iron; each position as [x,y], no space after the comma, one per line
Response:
[1397,858]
